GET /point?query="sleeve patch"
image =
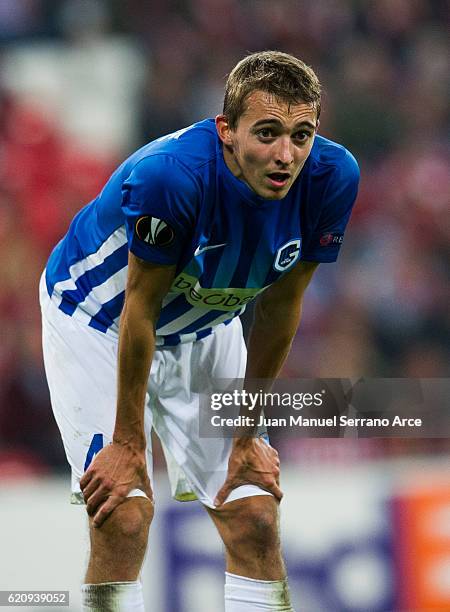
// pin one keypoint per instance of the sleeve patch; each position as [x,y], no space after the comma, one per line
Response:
[331,239]
[154,231]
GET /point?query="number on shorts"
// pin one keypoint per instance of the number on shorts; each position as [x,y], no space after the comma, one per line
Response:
[95,447]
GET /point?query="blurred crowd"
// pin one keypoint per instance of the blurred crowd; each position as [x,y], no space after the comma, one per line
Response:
[384,65]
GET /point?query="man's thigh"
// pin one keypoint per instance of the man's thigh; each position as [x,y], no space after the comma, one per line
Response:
[81,369]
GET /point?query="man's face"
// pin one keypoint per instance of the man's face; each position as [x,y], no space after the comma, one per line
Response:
[270,144]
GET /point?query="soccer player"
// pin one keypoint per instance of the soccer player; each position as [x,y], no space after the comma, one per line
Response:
[141,302]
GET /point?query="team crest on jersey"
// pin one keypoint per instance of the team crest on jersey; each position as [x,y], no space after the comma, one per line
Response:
[154,231]
[287,255]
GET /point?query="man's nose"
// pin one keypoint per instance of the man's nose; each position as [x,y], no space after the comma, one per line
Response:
[285,151]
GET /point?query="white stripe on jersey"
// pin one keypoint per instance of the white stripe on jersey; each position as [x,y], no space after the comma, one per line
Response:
[178,324]
[117,239]
[174,326]
[103,293]
[114,329]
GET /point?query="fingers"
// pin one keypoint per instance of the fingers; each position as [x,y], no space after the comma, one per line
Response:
[100,501]
[269,452]
[276,492]
[95,491]
[89,489]
[255,463]
[99,496]
[106,509]
[224,492]
[272,487]
[269,481]
[85,479]
[98,491]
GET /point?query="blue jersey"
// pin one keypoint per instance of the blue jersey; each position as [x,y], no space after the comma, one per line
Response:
[175,202]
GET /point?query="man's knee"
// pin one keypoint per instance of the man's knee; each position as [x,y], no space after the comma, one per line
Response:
[252,524]
[129,521]
[118,546]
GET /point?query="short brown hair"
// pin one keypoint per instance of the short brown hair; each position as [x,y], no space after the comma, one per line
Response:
[283,75]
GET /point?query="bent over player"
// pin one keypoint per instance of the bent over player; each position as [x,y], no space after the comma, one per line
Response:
[141,302]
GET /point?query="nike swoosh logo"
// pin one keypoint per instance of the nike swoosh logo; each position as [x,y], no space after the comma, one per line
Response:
[199,251]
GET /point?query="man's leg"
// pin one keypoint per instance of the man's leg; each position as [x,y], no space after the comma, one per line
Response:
[248,526]
[81,367]
[118,546]
[117,553]
[256,576]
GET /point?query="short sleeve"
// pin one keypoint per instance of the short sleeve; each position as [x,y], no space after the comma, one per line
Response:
[159,200]
[335,209]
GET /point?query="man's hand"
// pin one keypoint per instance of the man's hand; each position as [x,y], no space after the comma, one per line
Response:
[115,471]
[252,461]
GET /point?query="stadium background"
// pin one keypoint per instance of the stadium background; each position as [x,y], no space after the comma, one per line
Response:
[82,83]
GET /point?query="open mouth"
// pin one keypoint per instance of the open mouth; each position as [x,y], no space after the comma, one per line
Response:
[278,179]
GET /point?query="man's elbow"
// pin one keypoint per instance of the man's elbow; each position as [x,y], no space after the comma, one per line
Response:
[278,316]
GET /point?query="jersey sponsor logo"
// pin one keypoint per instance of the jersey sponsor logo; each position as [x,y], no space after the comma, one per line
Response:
[199,250]
[229,300]
[154,231]
[331,239]
[287,255]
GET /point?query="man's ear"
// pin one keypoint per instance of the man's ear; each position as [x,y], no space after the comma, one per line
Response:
[224,130]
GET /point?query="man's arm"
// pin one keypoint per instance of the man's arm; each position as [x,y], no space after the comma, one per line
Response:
[121,466]
[276,319]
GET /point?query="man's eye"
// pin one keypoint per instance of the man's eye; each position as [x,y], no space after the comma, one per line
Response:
[302,136]
[265,133]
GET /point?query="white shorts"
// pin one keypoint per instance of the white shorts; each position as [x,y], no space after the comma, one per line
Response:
[81,367]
